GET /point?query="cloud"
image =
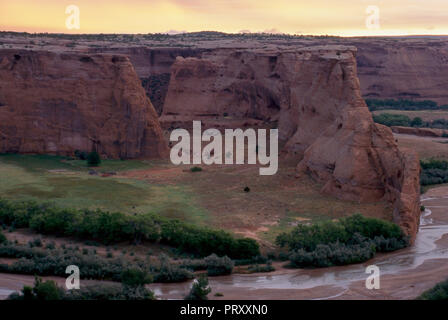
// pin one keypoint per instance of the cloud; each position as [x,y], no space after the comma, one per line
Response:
[173,32]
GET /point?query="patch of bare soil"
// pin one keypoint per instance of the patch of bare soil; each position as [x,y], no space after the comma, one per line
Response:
[271,205]
[426,147]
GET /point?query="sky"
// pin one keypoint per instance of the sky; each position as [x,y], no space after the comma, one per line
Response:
[318,17]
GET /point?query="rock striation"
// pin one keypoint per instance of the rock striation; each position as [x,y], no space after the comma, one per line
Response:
[56,103]
[313,95]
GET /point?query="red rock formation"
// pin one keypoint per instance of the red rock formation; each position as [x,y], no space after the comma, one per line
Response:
[61,102]
[315,96]
[405,68]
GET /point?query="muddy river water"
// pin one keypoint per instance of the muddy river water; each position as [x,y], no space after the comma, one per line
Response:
[404,274]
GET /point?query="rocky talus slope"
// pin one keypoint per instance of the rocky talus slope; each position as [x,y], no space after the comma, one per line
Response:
[314,96]
[61,102]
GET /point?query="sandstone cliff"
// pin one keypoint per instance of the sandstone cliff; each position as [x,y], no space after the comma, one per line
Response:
[314,96]
[404,68]
[61,102]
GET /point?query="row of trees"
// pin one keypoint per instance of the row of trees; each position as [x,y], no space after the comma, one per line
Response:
[403,104]
[434,172]
[390,120]
[109,227]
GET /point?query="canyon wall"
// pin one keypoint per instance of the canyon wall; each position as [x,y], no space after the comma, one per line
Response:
[404,68]
[313,95]
[395,67]
[153,66]
[61,102]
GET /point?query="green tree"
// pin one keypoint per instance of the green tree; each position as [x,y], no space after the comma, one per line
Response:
[93,159]
[2,237]
[135,278]
[200,289]
[417,122]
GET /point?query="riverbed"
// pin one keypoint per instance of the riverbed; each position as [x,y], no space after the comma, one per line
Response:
[404,274]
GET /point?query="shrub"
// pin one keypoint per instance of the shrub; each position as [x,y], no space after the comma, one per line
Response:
[50,246]
[334,254]
[199,290]
[349,240]
[93,159]
[417,122]
[115,227]
[50,291]
[36,242]
[217,266]
[196,169]
[135,278]
[47,290]
[434,172]
[171,273]
[2,238]
[389,120]
[81,155]
[260,268]
[439,292]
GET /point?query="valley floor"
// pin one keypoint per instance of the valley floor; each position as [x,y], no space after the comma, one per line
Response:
[213,197]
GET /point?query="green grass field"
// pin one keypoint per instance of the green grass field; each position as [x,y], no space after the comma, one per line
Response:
[68,183]
[213,197]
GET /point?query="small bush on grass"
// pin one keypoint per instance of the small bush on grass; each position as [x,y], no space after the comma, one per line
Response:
[93,159]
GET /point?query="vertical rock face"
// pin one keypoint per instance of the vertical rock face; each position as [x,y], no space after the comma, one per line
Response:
[404,69]
[153,66]
[61,102]
[314,95]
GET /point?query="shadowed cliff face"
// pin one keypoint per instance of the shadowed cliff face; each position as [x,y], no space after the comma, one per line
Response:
[404,69]
[314,96]
[58,103]
[153,66]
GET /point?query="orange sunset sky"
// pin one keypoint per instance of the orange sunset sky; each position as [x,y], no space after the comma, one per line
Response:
[343,17]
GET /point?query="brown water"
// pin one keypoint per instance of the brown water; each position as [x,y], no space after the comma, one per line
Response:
[405,274]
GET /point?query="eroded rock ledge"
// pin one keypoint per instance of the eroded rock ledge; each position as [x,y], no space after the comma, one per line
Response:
[313,94]
[57,103]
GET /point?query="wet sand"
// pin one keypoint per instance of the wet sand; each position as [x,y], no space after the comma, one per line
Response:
[405,274]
